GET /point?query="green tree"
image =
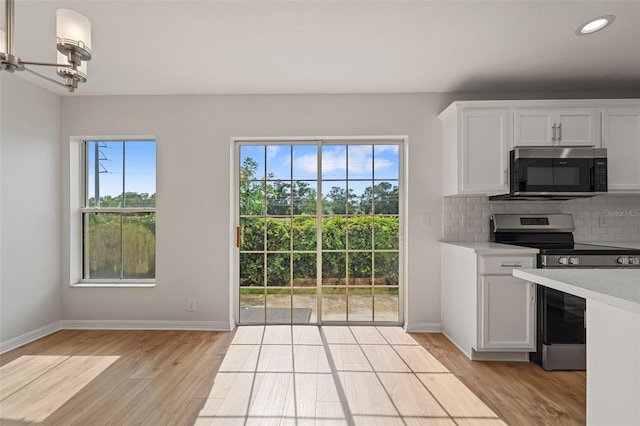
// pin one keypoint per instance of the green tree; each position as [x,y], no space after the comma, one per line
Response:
[278,197]
[304,198]
[380,199]
[252,192]
[282,198]
[335,202]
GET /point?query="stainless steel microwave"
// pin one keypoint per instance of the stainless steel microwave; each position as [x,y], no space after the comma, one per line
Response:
[556,173]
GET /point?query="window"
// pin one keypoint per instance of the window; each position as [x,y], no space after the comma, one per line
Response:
[319,228]
[119,211]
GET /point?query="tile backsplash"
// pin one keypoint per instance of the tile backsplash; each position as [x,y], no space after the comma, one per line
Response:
[602,218]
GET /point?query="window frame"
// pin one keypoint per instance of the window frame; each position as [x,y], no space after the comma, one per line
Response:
[84,211]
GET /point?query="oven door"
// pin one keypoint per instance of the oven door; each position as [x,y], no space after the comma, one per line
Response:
[561,330]
[563,316]
[540,176]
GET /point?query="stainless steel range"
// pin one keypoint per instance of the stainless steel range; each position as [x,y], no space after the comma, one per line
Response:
[561,328]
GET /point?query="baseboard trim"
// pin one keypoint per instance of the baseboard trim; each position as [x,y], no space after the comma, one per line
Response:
[467,354]
[147,325]
[500,356]
[423,327]
[29,337]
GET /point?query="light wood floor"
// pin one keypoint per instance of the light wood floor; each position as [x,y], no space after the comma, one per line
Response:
[278,375]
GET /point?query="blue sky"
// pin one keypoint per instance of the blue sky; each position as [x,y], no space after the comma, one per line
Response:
[140,167]
[363,161]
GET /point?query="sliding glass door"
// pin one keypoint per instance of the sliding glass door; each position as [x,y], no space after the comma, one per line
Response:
[318,233]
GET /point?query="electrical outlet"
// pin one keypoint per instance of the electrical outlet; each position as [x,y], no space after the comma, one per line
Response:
[191,305]
[604,220]
[425,220]
[466,220]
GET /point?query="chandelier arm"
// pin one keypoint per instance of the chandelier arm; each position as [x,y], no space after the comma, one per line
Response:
[46,64]
[46,78]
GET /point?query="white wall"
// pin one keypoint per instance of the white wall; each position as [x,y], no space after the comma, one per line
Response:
[193,135]
[30,296]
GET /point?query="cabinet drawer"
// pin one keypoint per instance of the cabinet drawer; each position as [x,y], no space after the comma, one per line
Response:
[504,265]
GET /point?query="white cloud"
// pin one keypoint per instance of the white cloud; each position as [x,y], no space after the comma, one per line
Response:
[379,149]
[382,163]
[334,160]
[272,151]
[306,163]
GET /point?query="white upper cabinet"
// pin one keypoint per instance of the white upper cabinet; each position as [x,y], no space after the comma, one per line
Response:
[477,137]
[556,127]
[621,137]
[476,151]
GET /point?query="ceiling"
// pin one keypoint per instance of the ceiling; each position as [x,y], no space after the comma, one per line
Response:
[243,47]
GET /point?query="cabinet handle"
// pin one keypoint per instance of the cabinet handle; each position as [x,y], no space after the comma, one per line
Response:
[559,132]
[511,265]
[553,138]
[533,293]
[504,176]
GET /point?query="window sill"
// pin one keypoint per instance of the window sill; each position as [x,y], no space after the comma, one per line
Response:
[131,284]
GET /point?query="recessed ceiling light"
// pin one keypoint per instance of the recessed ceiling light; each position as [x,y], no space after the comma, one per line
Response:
[595,25]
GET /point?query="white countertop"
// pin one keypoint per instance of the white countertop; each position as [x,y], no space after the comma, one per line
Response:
[486,247]
[615,287]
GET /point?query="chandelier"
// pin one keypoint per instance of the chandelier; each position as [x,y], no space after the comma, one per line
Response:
[73,33]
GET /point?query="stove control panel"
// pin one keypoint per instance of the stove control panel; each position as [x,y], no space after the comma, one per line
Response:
[586,261]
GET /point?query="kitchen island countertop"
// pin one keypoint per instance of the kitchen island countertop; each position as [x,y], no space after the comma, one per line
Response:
[613,337]
[616,287]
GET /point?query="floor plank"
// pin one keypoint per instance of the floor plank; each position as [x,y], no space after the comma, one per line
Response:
[368,335]
[24,370]
[182,377]
[519,393]
[384,358]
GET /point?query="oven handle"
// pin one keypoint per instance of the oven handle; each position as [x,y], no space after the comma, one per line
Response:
[511,265]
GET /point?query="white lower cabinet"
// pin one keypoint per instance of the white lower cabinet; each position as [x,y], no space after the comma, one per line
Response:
[487,312]
[506,317]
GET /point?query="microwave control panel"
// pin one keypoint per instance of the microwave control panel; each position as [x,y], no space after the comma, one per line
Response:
[600,174]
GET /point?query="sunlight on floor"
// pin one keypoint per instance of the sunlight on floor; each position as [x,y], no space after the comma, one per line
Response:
[33,387]
[305,375]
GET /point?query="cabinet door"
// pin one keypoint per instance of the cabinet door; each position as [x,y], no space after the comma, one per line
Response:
[556,127]
[621,137]
[484,155]
[534,127]
[577,127]
[506,313]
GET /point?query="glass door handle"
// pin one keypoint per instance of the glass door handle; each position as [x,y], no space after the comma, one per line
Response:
[238,236]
